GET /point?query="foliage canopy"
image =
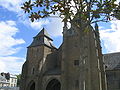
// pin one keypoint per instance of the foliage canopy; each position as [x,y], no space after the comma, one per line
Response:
[90,11]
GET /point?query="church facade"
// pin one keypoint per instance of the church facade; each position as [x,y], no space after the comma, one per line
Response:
[76,65]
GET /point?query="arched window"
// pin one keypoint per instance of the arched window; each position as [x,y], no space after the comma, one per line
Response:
[33,70]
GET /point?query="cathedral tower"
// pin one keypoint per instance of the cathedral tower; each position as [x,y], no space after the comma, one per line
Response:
[82,63]
[35,64]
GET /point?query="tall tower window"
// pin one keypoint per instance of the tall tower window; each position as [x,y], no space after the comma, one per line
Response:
[33,70]
[95,43]
[76,62]
[97,52]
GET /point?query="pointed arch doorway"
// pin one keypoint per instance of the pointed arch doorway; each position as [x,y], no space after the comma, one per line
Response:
[31,85]
[54,84]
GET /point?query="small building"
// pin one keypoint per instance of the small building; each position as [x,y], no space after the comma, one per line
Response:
[3,81]
[8,80]
[112,64]
[13,81]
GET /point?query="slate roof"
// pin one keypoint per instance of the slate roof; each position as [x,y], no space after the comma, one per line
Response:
[43,32]
[2,78]
[112,61]
[42,38]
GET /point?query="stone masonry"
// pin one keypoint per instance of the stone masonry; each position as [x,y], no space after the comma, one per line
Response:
[76,65]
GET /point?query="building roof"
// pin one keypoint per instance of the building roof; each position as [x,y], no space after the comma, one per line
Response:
[42,38]
[13,76]
[112,61]
[2,78]
[43,32]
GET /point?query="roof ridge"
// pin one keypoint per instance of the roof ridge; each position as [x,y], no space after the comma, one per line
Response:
[43,32]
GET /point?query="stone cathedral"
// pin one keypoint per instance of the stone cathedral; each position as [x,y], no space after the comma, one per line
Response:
[76,65]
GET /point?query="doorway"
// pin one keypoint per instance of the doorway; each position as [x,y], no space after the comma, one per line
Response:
[54,84]
[32,87]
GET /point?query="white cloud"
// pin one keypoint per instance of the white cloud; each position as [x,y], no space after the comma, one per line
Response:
[11,64]
[39,24]
[12,5]
[11,23]
[8,31]
[54,26]
[111,37]
[2,66]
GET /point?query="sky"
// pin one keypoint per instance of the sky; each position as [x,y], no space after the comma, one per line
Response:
[17,32]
